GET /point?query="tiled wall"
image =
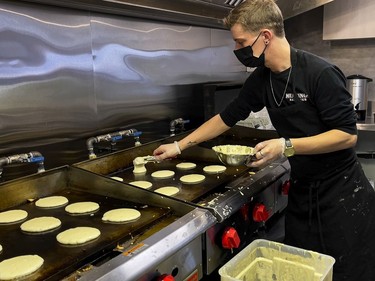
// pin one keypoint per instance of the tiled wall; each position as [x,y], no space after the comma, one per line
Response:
[357,56]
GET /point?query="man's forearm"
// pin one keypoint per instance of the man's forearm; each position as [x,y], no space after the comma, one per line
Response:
[326,142]
[209,130]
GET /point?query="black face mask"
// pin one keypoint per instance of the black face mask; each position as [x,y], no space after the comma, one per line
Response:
[246,57]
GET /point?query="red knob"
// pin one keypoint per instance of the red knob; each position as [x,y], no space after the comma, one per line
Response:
[285,188]
[230,238]
[260,213]
[165,277]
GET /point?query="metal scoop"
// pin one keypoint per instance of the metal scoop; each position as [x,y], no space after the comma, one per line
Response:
[140,162]
[234,155]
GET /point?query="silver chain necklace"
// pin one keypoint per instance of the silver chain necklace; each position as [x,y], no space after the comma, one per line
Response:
[286,86]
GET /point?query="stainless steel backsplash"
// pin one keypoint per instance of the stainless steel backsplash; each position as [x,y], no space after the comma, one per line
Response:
[68,74]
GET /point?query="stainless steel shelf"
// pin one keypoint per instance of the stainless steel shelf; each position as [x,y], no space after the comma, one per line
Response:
[366,126]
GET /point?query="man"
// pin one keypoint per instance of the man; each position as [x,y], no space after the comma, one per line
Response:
[331,207]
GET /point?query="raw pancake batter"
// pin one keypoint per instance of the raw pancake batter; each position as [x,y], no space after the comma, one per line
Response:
[168,190]
[52,202]
[40,224]
[121,215]
[163,174]
[192,178]
[234,149]
[19,266]
[82,208]
[186,166]
[12,216]
[214,169]
[142,184]
[78,235]
[139,165]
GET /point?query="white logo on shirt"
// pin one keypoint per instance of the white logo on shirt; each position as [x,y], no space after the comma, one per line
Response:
[301,96]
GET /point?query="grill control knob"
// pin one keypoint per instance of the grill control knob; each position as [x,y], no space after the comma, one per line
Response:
[165,277]
[230,238]
[285,188]
[260,213]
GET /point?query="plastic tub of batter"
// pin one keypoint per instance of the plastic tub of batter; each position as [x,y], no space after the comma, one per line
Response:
[265,260]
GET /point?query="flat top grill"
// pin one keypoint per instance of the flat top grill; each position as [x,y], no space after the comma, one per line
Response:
[218,193]
[188,192]
[61,260]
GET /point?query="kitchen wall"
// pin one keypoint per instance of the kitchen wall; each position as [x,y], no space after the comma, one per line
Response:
[355,56]
[67,75]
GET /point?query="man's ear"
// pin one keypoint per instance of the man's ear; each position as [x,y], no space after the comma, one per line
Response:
[267,35]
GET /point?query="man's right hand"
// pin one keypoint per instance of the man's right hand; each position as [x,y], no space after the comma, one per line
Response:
[166,151]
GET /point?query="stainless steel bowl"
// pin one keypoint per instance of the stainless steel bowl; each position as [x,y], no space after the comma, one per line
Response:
[234,155]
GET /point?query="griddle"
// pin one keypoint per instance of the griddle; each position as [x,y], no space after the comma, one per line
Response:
[46,246]
[202,155]
[77,185]
[188,192]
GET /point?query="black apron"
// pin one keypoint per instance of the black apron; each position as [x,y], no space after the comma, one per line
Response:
[332,215]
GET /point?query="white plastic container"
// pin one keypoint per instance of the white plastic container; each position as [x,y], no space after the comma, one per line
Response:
[265,260]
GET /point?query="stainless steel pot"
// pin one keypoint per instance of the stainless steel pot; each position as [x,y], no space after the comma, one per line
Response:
[357,86]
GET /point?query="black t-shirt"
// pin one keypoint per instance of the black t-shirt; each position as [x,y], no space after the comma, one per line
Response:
[315,101]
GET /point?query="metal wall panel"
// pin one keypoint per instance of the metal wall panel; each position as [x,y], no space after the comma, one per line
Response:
[45,75]
[140,71]
[68,74]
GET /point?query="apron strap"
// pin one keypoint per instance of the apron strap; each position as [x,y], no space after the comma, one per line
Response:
[314,187]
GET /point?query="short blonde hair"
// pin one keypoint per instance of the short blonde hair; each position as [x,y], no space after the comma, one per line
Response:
[255,15]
